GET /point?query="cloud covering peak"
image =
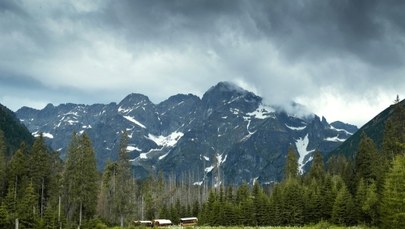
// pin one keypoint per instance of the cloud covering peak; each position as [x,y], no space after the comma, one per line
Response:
[342,59]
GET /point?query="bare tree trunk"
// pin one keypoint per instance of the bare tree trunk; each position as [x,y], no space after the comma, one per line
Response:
[59,210]
[42,197]
[80,216]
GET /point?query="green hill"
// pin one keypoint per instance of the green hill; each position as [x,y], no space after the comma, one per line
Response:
[14,131]
[373,129]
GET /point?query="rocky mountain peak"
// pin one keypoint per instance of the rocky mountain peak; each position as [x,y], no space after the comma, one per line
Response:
[228,130]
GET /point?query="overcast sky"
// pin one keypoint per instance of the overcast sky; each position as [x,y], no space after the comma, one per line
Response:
[342,59]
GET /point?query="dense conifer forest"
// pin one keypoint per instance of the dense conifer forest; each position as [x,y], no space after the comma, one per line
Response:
[39,190]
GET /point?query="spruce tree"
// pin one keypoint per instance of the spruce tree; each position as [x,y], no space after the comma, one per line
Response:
[292,211]
[80,180]
[327,197]
[365,161]
[5,221]
[2,165]
[291,165]
[317,170]
[393,196]
[313,204]
[28,208]
[124,182]
[40,172]
[342,212]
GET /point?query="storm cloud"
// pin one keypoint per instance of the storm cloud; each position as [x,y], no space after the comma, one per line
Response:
[342,59]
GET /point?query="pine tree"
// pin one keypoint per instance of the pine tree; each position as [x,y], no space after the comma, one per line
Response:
[2,165]
[124,181]
[291,166]
[242,193]
[365,161]
[394,133]
[393,196]
[317,170]
[275,206]
[27,208]
[327,196]
[80,180]
[260,205]
[313,204]
[370,207]
[342,212]
[40,172]
[4,217]
[292,211]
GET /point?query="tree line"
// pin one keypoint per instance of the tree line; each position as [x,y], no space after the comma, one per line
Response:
[39,190]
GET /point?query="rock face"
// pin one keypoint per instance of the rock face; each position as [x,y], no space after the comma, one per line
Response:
[228,135]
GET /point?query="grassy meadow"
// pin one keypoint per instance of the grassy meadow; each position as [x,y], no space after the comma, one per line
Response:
[317,226]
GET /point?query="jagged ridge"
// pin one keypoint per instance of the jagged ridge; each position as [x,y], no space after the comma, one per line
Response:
[228,135]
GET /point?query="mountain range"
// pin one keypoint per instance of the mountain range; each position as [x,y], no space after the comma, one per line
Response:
[228,136]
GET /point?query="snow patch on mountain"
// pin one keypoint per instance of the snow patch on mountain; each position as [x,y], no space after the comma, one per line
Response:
[124,110]
[335,139]
[262,112]
[44,134]
[132,148]
[133,120]
[209,169]
[347,132]
[302,145]
[166,141]
[295,128]
[163,156]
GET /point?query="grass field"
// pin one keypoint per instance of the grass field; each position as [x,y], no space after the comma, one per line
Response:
[318,226]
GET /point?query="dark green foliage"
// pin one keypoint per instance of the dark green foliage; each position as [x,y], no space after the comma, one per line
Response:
[291,165]
[14,132]
[366,161]
[342,213]
[393,196]
[27,208]
[317,170]
[40,172]
[5,221]
[394,132]
[2,164]
[292,211]
[313,202]
[80,180]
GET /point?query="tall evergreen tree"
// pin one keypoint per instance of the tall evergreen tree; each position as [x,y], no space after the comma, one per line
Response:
[80,180]
[40,172]
[313,202]
[292,211]
[291,165]
[317,170]
[28,208]
[394,133]
[393,196]
[366,161]
[342,212]
[124,182]
[2,165]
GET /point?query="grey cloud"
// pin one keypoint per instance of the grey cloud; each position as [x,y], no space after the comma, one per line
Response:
[284,49]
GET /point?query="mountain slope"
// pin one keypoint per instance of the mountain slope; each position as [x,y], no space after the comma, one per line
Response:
[14,131]
[374,129]
[228,135]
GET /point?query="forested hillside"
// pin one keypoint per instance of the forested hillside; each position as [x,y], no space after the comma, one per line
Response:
[13,131]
